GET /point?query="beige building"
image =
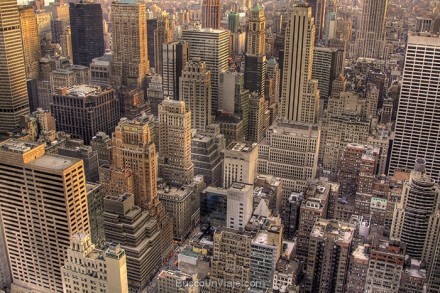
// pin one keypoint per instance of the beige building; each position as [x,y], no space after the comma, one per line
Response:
[176,282]
[329,254]
[43,203]
[239,206]
[31,41]
[256,118]
[163,34]
[100,270]
[290,151]
[300,94]
[130,62]
[240,163]
[13,92]
[195,91]
[175,165]
[256,35]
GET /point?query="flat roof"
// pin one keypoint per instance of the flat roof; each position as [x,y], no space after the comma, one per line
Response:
[54,162]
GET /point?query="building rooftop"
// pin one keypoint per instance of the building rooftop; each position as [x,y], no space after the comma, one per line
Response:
[343,232]
[83,90]
[18,146]
[54,162]
[242,147]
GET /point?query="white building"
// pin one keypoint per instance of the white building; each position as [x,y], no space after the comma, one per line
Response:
[240,163]
[416,131]
[91,270]
[239,205]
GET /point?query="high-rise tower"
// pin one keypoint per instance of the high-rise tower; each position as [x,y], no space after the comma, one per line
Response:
[416,131]
[212,47]
[175,57]
[319,13]
[43,203]
[175,165]
[162,35]
[195,91]
[13,92]
[129,38]
[256,39]
[211,14]
[370,40]
[87,31]
[300,94]
[31,41]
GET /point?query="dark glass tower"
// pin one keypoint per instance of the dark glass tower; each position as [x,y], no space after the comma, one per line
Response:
[87,32]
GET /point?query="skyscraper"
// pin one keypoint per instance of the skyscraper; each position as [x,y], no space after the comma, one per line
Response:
[211,13]
[416,133]
[31,41]
[43,204]
[85,110]
[370,40]
[300,94]
[175,165]
[416,219]
[175,57]
[13,91]
[87,31]
[162,35]
[129,38]
[319,13]
[195,91]
[212,47]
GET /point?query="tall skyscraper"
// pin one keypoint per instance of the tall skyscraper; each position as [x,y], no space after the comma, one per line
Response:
[87,31]
[31,41]
[130,62]
[416,219]
[175,57]
[416,134]
[211,13]
[327,65]
[84,110]
[370,40]
[43,203]
[162,35]
[195,91]
[175,165]
[212,47]
[256,39]
[300,94]
[13,91]
[319,13]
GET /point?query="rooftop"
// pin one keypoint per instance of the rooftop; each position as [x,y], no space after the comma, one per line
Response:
[54,162]
[242,147]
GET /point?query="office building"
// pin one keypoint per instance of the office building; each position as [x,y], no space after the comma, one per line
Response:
[195,91]
[122,222]
[102,144]
[313,207]
[55,196]
[87,31]
[100,70]
[234,249]
[206,148]
[299,145]
[358,268]
[175,165]
[212,47]
[233,98]
[95,204]
[233,22]
[370,39]
[329,253]
[387,259]
[319,12]
[77,149]
[103,269]
[327,65]
[175,57]
[416,217]
[151,27]
[155,94]
[211,13]
[414,136]
[31,42]
[162,35]
[130,62]
[183,206]
[300,93]
[85,110]
[255,73]
[240,163]
[256,118]
[256,38]
[239,205]
[433,282]
[13,91]
[176,282]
